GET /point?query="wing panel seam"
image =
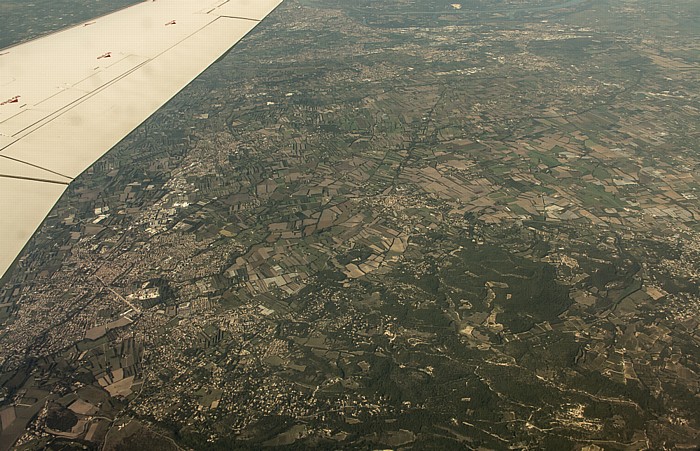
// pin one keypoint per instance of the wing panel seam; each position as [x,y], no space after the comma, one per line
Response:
[36,166]
[240,18]
[57,113]
[33,179]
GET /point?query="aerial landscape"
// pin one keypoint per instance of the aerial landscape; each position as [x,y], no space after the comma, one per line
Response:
[406,224]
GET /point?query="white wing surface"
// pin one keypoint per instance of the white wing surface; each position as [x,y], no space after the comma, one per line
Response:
[69,97]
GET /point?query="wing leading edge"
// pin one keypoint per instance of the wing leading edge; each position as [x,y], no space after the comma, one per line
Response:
[69,97]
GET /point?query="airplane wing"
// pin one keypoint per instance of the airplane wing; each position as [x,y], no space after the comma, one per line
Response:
[69,97]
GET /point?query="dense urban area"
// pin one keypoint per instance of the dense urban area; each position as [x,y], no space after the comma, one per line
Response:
[398,224]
